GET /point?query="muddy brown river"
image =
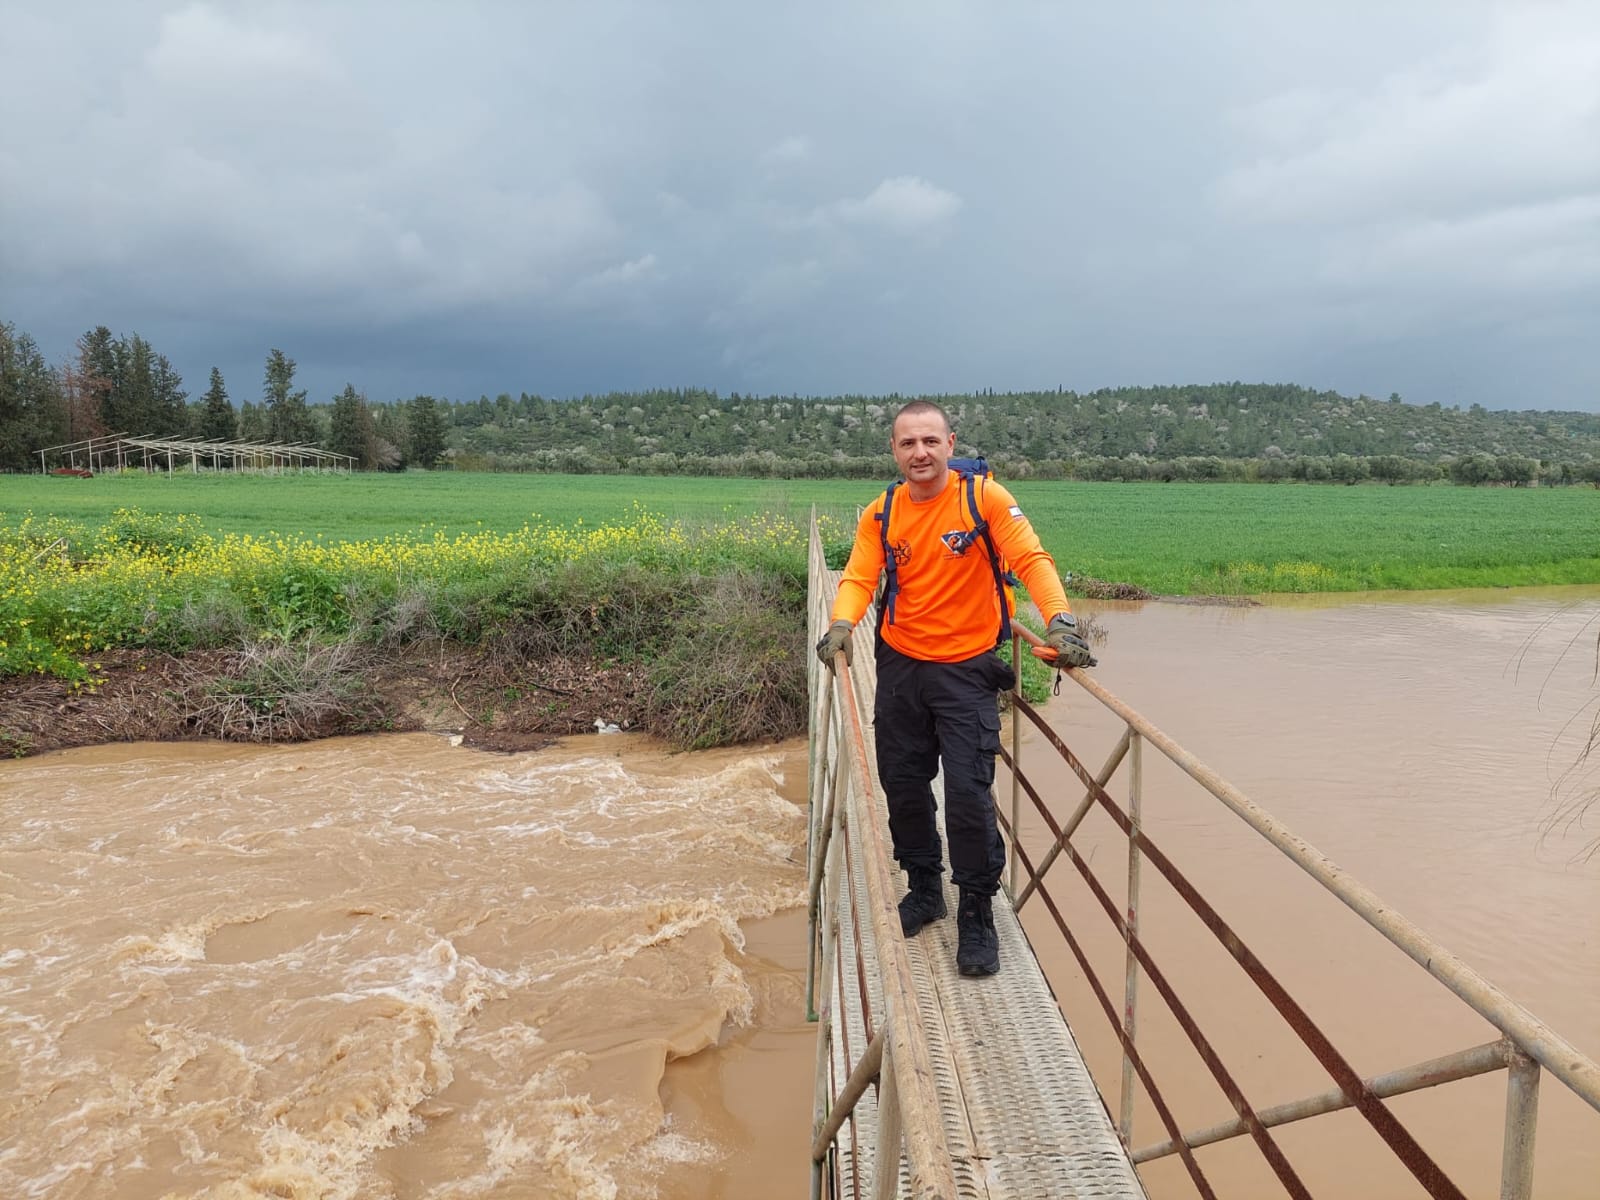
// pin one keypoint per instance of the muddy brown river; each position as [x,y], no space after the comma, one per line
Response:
[393,967]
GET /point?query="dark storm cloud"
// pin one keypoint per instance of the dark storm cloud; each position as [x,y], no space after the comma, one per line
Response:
[907,197]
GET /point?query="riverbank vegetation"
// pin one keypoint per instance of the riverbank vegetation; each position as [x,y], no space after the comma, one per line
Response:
[686,631]
[516,606]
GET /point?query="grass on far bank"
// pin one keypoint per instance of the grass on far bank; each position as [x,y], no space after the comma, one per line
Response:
[1175,538]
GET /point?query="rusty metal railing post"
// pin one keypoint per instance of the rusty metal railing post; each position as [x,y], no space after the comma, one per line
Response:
[819,823]
[1522,1119]
[828,917]
[1016,761]
[1130,992]
[818,868]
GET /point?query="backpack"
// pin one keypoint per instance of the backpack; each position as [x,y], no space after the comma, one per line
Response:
[970,470]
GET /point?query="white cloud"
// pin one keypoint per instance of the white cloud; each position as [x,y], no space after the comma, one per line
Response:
[621,284]
[790,152]
[198,46]
[632,271]
[905,204]
[1513,121]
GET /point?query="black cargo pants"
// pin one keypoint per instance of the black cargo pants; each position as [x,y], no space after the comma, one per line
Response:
[928,713]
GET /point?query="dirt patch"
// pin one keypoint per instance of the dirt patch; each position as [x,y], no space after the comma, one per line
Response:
[492,703]
[1091,588]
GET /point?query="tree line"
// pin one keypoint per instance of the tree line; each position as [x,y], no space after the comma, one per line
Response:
[121,384]
[1222,431]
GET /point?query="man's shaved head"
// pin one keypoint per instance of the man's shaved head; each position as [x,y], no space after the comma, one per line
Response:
[918,407]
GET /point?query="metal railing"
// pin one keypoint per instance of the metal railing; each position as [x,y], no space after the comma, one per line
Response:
[1526,1049]
[852,884]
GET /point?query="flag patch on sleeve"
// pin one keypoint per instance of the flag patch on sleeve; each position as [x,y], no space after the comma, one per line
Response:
[1016,513]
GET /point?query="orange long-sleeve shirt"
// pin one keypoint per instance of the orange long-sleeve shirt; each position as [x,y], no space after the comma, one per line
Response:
[947,608]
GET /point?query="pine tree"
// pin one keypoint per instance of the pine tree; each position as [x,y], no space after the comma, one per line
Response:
[95,378]
[287,418]
[169,414]
[131,403]
[351,430]
[217,420]
[425,429]
[31,410]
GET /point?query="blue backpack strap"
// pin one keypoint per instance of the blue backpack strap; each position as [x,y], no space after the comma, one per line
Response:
[980,528]
[889,568]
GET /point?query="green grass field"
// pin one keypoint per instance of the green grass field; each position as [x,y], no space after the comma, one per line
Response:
[1170,538]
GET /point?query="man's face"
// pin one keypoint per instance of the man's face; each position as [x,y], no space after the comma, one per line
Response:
[922,445]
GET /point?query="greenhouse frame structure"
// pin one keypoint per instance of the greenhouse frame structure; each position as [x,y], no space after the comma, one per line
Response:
[116,451]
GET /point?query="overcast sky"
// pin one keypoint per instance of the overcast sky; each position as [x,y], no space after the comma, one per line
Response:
[815,198]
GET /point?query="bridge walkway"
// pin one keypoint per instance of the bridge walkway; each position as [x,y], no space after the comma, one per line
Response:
[1020,1115]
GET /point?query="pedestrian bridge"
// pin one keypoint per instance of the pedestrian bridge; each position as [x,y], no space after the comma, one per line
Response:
[934,1085]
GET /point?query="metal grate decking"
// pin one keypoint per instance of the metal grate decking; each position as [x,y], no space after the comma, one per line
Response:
[1021,1115]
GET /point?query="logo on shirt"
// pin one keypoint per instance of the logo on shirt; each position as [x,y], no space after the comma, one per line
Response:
[1016,513]
[956,541]
[901,551]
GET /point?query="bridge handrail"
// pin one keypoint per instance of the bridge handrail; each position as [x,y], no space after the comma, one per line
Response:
[1536,1039]
[1528,1043]
[897,1055]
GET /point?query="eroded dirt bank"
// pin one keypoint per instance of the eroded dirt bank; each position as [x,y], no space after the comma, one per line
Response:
[297,693]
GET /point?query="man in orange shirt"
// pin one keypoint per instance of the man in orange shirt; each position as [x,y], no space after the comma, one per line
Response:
[938,674]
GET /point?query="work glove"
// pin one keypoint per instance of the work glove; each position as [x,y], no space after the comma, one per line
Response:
[1061,635]
[836,639]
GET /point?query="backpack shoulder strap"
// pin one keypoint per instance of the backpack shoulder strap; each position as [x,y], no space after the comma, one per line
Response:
[980,528]
[892,579]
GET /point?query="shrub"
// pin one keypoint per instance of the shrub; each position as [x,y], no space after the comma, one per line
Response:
[735,670]
[277,691]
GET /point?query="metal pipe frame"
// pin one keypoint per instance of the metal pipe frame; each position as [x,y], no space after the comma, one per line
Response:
[1103,998]
[1113,761]
[1399,1139]
[1522,1118]
[1130,987]
[1015,758]
[820,838]
[1578,1073]
[1463,1064]
[300,454]
[863,1076]
[1550,1050]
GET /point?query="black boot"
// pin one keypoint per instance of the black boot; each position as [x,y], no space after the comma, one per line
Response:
[978,947]
[924,902]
